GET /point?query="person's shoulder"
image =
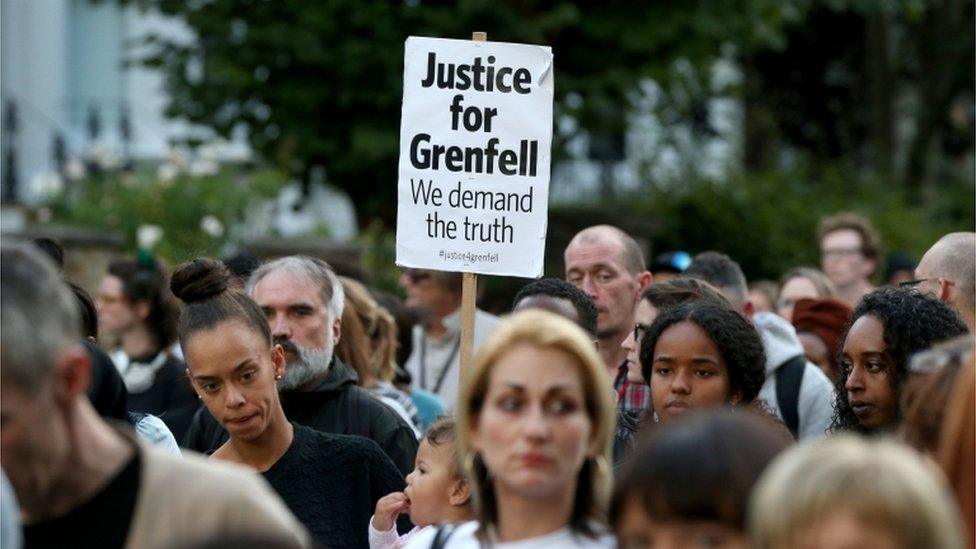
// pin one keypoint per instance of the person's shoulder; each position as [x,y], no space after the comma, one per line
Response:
[173,369]
[210,498]
[336,444]
[377,410]
[174,363]
[814,379]
[208,483]
[486,317]
[207,473]
[462,536]
[602,538]
[484,324]
[152,429]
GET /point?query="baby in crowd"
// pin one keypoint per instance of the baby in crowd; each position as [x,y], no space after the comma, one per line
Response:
[436,492]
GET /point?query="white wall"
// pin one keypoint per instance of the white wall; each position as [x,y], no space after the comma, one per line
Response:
[60,57]
[33,39]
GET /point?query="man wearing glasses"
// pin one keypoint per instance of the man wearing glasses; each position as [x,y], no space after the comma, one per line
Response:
[849,252]
[948,271]
[435,362]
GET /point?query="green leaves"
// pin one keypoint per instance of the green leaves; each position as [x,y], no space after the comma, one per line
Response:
[185,207]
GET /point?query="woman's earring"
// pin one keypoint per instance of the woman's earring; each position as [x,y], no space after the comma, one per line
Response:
[278,377]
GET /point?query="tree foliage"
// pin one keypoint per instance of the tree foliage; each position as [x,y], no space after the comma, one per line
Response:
[318,83]
[878,87]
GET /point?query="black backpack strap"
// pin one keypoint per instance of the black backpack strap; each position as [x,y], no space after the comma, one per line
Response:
[789,376]
[356,411]
[444,532]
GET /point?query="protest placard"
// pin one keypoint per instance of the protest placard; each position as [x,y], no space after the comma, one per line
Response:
[475,139]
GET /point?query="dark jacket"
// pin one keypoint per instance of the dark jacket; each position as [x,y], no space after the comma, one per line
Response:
[106,389]
[628,424]
[337,406]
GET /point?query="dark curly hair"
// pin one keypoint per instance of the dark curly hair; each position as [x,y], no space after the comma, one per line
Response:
[912,322]
[555,287]
[736,338]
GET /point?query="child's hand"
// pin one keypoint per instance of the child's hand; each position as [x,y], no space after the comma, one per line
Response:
[388,508]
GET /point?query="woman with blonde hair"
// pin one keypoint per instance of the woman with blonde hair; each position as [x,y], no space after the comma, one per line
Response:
[535,425]
[848,491]
[368,344]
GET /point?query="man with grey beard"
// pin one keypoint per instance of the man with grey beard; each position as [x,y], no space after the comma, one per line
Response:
[303,300]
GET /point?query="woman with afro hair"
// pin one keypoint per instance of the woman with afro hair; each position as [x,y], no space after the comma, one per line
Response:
[887,327]
[701,354]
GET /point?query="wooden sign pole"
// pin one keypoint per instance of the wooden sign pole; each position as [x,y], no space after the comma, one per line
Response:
[469,291]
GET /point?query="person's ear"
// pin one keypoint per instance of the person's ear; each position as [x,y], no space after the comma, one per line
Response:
[748,308]
[945,290]
[142,309]
[278,361]
[644,279]
[460,493]
[72,374]
[735,397]
[336,330]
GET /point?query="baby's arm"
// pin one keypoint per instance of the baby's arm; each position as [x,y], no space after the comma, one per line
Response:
[382,527]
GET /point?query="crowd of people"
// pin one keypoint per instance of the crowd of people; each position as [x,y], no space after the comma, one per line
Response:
[281,403]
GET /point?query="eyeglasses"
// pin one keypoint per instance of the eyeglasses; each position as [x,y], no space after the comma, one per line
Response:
[416,276]
[911,283]
[916,283]
[840,252]
[640,330]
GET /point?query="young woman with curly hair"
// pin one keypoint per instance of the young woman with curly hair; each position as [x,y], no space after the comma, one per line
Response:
[701,354]
[888,326]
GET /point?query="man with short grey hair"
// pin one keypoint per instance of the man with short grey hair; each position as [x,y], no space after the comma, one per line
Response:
[308,365]
[948,270]
[82,482]
[795,388]
[303,301]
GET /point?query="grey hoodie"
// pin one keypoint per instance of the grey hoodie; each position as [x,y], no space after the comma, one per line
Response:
[816,400]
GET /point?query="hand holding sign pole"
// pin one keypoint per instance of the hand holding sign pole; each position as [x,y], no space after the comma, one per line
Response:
[475,139]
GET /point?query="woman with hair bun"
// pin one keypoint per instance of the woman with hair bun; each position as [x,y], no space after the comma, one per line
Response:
[330,482]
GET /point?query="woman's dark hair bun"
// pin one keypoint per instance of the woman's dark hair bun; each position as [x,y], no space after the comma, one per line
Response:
[199,280]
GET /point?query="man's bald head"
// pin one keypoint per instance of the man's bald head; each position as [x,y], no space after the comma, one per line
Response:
[630,253]
[952,259]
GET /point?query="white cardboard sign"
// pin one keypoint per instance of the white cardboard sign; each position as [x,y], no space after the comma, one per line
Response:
[475,140]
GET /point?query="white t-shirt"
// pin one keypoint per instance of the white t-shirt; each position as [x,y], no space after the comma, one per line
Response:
[463,538]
